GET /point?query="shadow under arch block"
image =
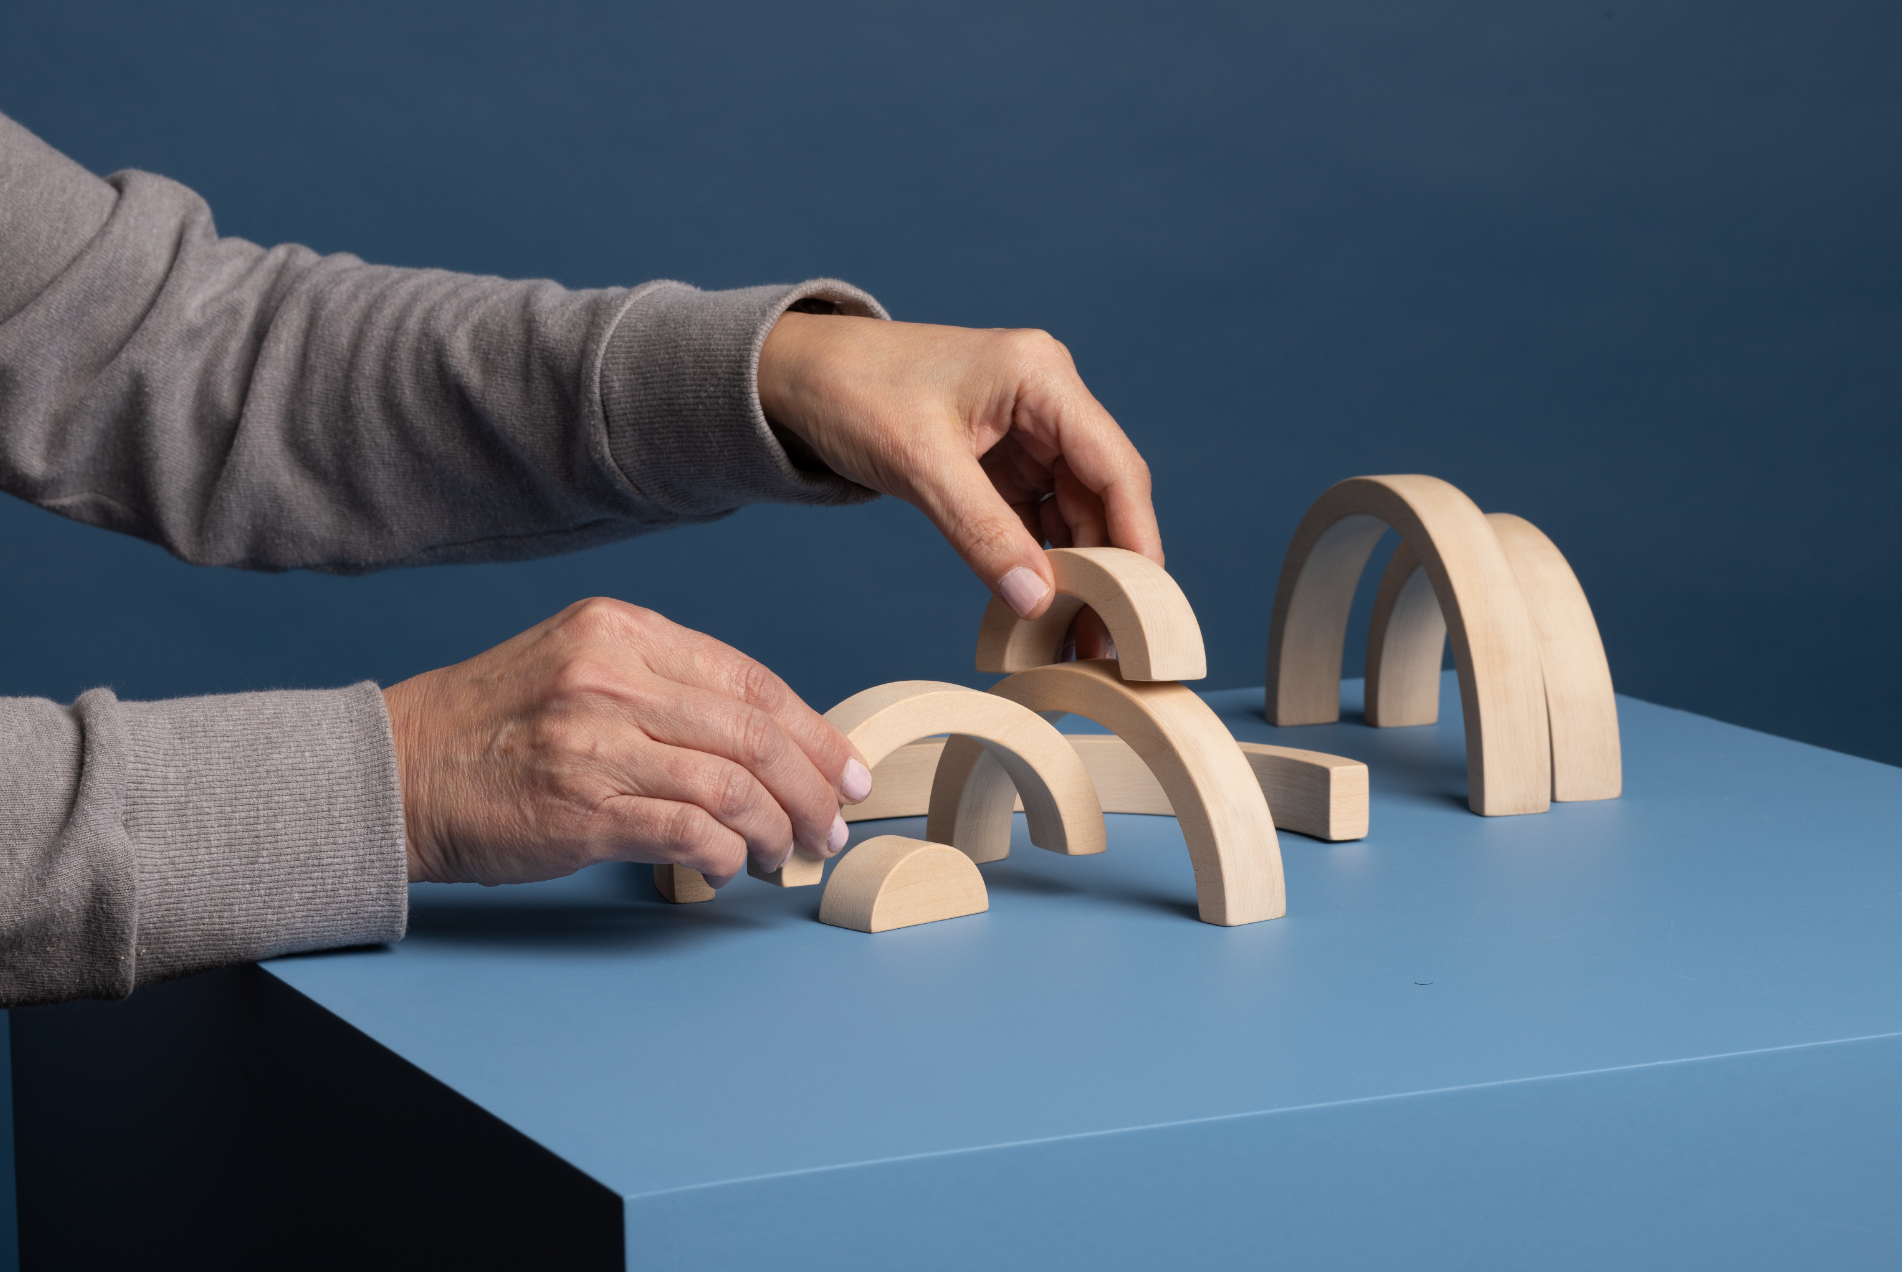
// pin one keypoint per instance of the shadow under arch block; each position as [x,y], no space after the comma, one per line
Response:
[1495,647]
[1403,658]
[1059,801]
[1308,792]
[1156,633]
[1210,785]
[893,882]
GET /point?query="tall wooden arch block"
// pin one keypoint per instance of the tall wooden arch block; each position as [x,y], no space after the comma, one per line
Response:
[1210,786]
[1408,631]
[1495,645]
[1156,635]
[1059,801]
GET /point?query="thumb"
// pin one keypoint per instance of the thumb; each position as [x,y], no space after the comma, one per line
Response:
[961,501]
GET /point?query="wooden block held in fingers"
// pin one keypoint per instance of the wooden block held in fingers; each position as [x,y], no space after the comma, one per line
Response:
[1059,801]
[893,882]
[1308,792]
[682,885]
[1495,647]
[1156,633]
[1225,819]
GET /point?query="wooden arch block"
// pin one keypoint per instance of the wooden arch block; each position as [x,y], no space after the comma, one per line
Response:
[1308,792]
[893,882]
[1403,658]
[1059,801]
[1156,635]
[1495,647]
[1209,784]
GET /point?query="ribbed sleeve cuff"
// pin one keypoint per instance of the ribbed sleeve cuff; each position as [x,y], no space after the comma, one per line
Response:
[680,389]
[262,824]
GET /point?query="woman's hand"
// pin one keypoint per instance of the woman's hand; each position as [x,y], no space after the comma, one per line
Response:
[608,733]
[991,434]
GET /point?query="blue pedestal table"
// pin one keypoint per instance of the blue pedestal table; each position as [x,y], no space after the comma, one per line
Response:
[1663,1031]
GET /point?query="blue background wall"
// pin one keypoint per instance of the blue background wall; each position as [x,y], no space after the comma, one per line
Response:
[1633,272]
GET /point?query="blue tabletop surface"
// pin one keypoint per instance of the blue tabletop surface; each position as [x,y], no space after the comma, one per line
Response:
[1744,895]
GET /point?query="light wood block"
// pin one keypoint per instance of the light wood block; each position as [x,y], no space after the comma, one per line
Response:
[1308,792]
[1408,633]
[1209,783]
[1495,647]
[1059,801]
[1156,633]
[893,882]
[682,885]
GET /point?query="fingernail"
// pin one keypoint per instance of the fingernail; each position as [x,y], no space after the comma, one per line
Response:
[716,882]
[857,782]
[1022,589]
[1111,651]
[836,840]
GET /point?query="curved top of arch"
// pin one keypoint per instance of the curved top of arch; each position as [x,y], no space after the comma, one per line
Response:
[1495,646]
[1156,633]
[1225,818]
[1059,798]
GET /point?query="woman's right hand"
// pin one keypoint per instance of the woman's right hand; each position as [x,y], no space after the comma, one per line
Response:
[608,733]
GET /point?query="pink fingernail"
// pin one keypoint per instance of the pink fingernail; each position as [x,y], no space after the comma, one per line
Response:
[716,882]
[836,840]
[1022,589]
[857,782]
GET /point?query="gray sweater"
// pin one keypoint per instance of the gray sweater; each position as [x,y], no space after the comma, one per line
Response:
[274,409]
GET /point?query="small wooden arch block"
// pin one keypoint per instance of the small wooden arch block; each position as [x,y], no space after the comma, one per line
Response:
[1408,632]
[893,882]
[1495,646]
[1059,801]
[1209,784]
[1156,635]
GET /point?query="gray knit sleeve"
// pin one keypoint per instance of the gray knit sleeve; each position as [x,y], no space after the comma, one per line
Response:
[145,840]
[277,409]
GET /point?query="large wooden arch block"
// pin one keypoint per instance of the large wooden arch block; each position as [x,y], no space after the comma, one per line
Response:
[1156,635]
[1495,646]
[1210,786]
[1059,801]
[1408,632]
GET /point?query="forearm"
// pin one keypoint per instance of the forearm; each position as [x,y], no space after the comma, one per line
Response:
[277,409]
[150,840]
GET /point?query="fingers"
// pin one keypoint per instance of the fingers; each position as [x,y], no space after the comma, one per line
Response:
[691,658]
[988,533]
[736,762]
[644,828]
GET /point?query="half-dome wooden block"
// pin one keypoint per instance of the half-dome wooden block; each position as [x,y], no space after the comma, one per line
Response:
[1495,647]
[1407,634]
[682,884]
[1308,792]
[893,882]
[1156,635]
[1210,786]
[1059,801]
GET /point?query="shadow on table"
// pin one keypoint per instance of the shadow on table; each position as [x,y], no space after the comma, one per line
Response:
[1003,878]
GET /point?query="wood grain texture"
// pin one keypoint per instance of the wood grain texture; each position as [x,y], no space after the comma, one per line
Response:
[1407,636]
[1586,758]
[1308,792]
[1495,647]
[1209,783]
[1404,644]
[1156,633]
[1059,801]
[682,885]
[893,882]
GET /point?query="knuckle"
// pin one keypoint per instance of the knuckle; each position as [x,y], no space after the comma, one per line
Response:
[733,794]
[602,618]
[754,740]
[756,686]
[686,830]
